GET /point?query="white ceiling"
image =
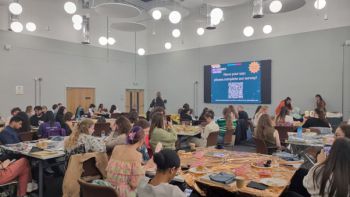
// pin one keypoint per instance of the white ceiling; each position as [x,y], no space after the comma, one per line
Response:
[53,22]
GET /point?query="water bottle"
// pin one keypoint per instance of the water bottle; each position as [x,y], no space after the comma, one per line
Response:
[300,132]
[103,134]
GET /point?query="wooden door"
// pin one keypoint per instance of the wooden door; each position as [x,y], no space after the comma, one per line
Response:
[134,99]
[79,96]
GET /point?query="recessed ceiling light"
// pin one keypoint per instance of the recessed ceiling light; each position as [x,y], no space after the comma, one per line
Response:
[267,29]
[175,17]
[15,8]
[70,7]
[102,40]
[248,31]
[16,27]
[275,6]
[216,16]
[111,41]
[141,51]
[167,45]
[77,26]
[176,33]
[156,14]
[200,31]
[320,4]
[77,19]
[30,26]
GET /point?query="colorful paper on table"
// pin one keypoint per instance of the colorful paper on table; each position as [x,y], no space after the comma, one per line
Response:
[199,155]
[198,163]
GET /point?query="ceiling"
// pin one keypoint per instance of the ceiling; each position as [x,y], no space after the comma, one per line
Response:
[53,22]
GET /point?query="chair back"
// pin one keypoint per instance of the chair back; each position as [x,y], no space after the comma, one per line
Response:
[99,127]
[260,146]
[92,190]
[229,136]
[212,138]
[26,136]
[283,132]
[90,171]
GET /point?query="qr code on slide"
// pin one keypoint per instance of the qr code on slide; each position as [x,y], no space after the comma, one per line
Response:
[235,90]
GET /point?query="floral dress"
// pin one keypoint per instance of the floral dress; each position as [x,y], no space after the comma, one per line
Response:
[123,174]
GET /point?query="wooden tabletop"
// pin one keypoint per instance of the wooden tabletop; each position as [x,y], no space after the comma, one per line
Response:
[236,163]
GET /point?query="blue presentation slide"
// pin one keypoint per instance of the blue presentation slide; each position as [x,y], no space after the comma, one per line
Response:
[236,83]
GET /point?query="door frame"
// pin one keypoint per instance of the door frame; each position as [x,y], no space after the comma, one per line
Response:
[86,87]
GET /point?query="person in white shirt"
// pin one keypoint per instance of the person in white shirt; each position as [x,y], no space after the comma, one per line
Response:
[209,128]
[92,110]
[168,163]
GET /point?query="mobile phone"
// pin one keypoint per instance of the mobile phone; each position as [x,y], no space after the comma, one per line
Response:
[327,149]
[256,185]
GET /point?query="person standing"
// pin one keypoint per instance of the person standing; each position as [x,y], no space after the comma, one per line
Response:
[158,101]
[287,102]
[320,103]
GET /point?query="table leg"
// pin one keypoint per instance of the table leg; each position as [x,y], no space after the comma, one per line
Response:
[41,187]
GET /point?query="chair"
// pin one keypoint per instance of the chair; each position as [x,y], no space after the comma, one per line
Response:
[99,127]
[92,190]
[262,148]
[90,171]
[212,138]
[26,136]
[9,189]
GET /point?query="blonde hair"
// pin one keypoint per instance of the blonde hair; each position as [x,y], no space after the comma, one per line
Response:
[81,128]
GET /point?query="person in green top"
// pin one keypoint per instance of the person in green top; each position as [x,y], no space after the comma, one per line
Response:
[161,132]
[228,122]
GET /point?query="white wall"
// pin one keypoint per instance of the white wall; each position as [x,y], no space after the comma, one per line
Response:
[62,64]
[302,65]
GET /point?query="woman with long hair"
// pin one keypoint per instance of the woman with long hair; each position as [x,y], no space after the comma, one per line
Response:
[113,109]
[29,110]
[343,131]
[162,132]
[124,170]
[226,123]
[260,111]
[265,131]
[68,122]
[25,122]
[331,177]
[283,118]
[81,139]
[287,102]
[120,129]
[319,120]
[100,108]
[60,114]
[168,163]
[320,103]
[49,125]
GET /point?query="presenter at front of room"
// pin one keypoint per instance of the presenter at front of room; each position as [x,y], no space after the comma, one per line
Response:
[158,101]
[285,103]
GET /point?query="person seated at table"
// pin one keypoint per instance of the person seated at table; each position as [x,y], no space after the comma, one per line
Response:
[10,135]
[146,149]
[168,163]
[68,122]
[14,112]
[100,108]
[318,121]
[162,132]
[259,111]
[283,118]
[124,170]
[79,113]
[37,117]
[265,131]
[201,117]
[29,110]
[44,108]
[49,125]
[82,141]
[154,111]
[114,110]
[17,170]
[60,114]
[120,129]
[54,109]
[343,131]
[210,127]
[25,122]
[320,103]
[91,110]
[287,102]
[331,176]
[226,123]
[185,114]
[133,116]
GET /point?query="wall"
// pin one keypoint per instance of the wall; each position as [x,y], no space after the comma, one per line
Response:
[302,65]
[62,64]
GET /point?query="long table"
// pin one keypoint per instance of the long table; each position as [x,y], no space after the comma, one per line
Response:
[41,158]
[235,163]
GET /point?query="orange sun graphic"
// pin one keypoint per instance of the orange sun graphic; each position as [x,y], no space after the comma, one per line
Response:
[254,67]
